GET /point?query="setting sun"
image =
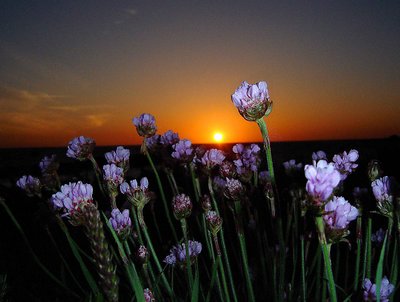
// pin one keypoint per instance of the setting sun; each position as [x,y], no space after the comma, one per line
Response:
[218,137]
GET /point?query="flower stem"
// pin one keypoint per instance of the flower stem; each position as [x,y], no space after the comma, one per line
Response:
[188,264]
[326,254]
[161,189]
[221,268]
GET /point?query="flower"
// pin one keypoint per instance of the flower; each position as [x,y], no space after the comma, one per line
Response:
[339,213]
[370,290]
[319,155]
[113,176]
[212,158]
[252,101]
[248,159]
[378,236]
[31,185]
[49,164]
[152,142]
[81,148]
[291,168]
[345,163]
[214,222]
[148,295]
[169,138]
[119,157]
[145,125]
[72,199]
[137,195]
[183,151]
[234,189]
[375,170]
[382,191]
[182,206]
[142,254]
[322,180]
[177,254]
[121,222]
[264,177]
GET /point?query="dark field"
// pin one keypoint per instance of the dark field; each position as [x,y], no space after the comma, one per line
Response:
[26,282]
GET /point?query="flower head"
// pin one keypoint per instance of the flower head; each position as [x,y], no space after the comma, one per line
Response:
[234,189]
[214,222]
[31,185]
[169,138]
[345,163]
[152,142]
[138,195]
[81,148]
[382,191]
[378,236]
[113,176]
[148,295]
[212,158]
[322,180]
[370,290]
[121,222]
[319,155]
[49,164]
[182,206]
[252,101]
[248,159]
[72,199]
[142,254]
[183,151]
[291,168]
[145,125]
[177,254]
[339,213]
[119,157]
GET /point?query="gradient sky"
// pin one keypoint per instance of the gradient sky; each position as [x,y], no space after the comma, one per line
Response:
[70,68]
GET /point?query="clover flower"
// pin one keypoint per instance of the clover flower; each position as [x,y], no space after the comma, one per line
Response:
[177,254]
[382,191]
[252,101]
[121,222]
[234,189]
[169,138]
[183,151]
[339,213]
[319,155]
[291,168]
[214,222]
[138,195]
[322,180]
[49,164]
[248,159]
[370,290]
[212,158]
[31,185]
[72,199]
[81,148]
[345,163]
[182,206]
[378,236]
[148,295]
[145,125]
[119,157]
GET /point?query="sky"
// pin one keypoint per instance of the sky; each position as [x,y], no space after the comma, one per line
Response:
[70,68]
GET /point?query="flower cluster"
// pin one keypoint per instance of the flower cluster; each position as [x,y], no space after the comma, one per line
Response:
[182,206]
[370,290]
[322,180]
[72,199]
[291,168]
[119,157]
[136,194]
[252,101]
[212,158]
[169,138]
[145,125]
[177,254]
[319,155]
[31,185]
[345,163]
[49,164]
[113,176]
[121,222]
[183,151]
[234,190]
[383,194]
[248,159]
[81,148]
[152,142]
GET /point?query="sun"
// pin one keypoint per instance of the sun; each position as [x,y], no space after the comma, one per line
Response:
[218,137]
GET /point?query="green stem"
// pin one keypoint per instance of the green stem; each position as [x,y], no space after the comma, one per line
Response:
[221,268]
[98,173]
[161,189]
[303,272]
[243,251]
[188,264]
[267,145]
[359,237]
[326,254]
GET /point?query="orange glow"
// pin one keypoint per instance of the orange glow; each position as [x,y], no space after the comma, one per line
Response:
[218,137]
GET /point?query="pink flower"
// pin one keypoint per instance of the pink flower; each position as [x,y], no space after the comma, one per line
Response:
[145,125]
[345,163]
[339,213]
[81,148]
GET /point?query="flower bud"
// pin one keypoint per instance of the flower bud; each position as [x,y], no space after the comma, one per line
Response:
[205,203]
[214,222]
[182,206]
[142,254]
[234,189]
[375,170]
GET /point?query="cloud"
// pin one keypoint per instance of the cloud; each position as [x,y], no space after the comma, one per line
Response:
[97,120]
[131,11]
